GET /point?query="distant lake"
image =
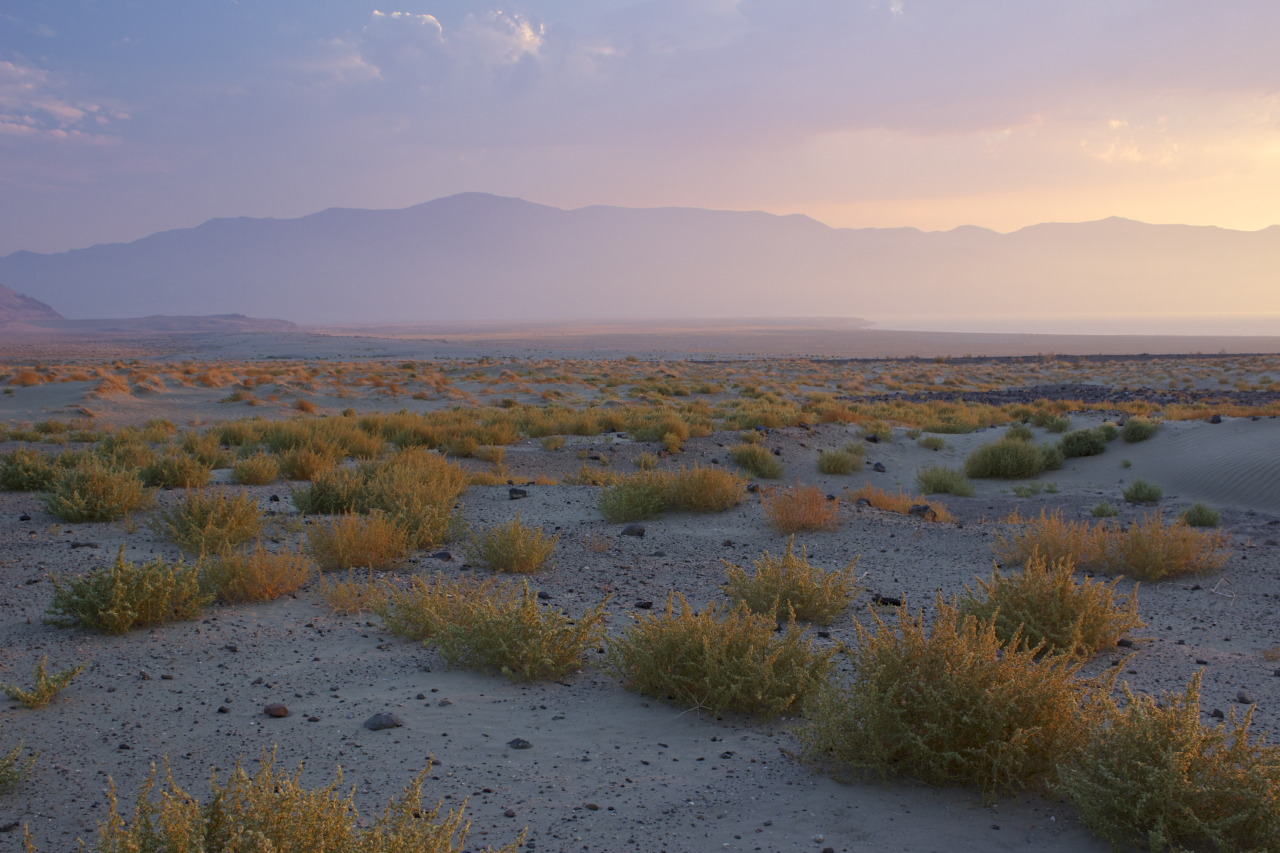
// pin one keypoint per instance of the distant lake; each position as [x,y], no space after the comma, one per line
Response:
[1078,324]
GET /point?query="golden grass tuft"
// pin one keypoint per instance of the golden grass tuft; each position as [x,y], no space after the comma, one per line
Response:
[1051,537]
[798,508]
[1152,551]
[512,547]
[757,460]
[789,586]
[125,596]
[95,490]
[900,503]
[46,686]
[256,575]
[258,469]
[349,541]
[353,595]
[210,522]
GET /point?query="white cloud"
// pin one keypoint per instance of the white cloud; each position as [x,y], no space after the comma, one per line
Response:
[31,105]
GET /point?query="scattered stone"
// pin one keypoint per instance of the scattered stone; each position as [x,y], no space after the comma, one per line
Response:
[886,600]
[517,494]
[381,721]
[862,502]
[223,709]
[519,743]
[879,468]
[1124,643]
[1244,698]
[644,605]
[24,517]
[592,807]
[75,545]
[633,530]
[924,511]
[444,703]
[873,438]
[275,499]
[10,826]
[509,813]
[313,719]
[753,487]
[544,595]
[728,753]
[1216,419]
[1217,714]
[444,556]
[276,709]
[231,647]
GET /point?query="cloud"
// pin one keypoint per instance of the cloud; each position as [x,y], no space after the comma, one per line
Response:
[32,106]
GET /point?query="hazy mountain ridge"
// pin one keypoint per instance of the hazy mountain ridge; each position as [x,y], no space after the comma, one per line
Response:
[481,257]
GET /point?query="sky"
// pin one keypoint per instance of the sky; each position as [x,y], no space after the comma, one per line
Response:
[120,118]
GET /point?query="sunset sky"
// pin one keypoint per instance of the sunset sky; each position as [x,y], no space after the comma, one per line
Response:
[119,118]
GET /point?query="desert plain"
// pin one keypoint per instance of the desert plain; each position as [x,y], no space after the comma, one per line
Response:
[601,768]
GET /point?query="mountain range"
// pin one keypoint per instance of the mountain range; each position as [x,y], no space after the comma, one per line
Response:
[475,257]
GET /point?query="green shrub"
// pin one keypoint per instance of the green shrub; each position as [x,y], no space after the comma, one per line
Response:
[126,596]
[1043,604]
[1201,515]
[790,587]
[1107,431]
[1019,432]
[27,470]
[512,547]
[46,686]
[1103,509]
[306,463]
[931,442]
[1138,429]
[635,497]
[717,660]
[208,522]
[484,625]
[1152,776]
[257,575]
[96,491]
[1142,492]
[939,479]
[14,768]
[271,810]
[757,460]
[349,541]
[838,461]
[255,470]
[1007,459]
[1052,423]
[177,471]
[204,447]
[1082,442]
[953,704]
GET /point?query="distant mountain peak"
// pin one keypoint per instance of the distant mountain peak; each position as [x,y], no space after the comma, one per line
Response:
[18,308]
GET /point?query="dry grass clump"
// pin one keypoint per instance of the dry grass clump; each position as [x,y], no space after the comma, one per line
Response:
[1011,459]
[842,461]
[1138,429]
[350,540]
[1152,776]
[649,493]
[952,704]
[127,595]
[209,522]
[1083,442]
[641,495]
[789,586]
[700,489]
[177,471]
[756,460]
[271,810]
[204,446]
[798,508]
[900,503]
[95,490]
[1201,515]
[1044,605]
[1052,538]
[354,594]
[718,660]
[27,470]
[46,686]
[512,547]
[307,463]
[255,470]
[1150,550]
[14,768]
[257,575]
[1142,492]
[589,475]
[486,625]
[939,479]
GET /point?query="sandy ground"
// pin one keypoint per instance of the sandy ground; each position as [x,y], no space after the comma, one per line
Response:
[607,769]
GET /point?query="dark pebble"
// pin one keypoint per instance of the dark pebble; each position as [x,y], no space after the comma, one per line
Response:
[378,722]
[276,709]
[633,530]
[519,743]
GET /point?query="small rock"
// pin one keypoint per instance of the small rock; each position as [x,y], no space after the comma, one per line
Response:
[879,468]
[84,545]
[591,807]
[873,438]
[1217,714]
[10,826]
[1243,697]
[728,543]
[544,595]
[223,709]
[753,487]
[517,494]
[1216,419]
[276,709]
[1125,643]
[444,703]
[275,499]
[923,511]
[24,517]
[644,605]
[444,556]
[313,719]
[886,600]
[633,530]
[509,813]
[519,743]
[378,722]
[728,753]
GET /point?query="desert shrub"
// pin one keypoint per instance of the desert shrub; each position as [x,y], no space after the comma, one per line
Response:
[588,475]
[126,595]
[14,768]
[931,442]
[238,433]
[838,461]
[1201,515]
[46,686]
[939,479]
[94,490]
[1152,776]
[306,463]
[1051,537]
[1103,509]
[512,547]
[272,810]
[1009,459]
[635,497]
[1148,550]
[552,442]
[204,447]
[789,586]
[1043,604]
[1141,491]
[255,470]
[176,470]
[1020,432]
[1107,431]
[485,625]
[952,704]
[353,595]
[756,460]
[700,489]
[647,461]
[257,575]
[349,541]
[208,522]
[125,449]
[416,488]
[1138,429]
[798,508]
[718,659]
[899,503]
[1051,423]
[1082,442]
[27,470]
